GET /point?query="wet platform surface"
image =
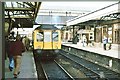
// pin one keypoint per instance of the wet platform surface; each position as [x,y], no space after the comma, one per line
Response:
[27,70]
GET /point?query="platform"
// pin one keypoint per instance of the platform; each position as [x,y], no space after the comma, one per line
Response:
[111,53]
[27,70]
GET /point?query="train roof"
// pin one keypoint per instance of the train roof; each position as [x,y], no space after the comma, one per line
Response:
[47,27]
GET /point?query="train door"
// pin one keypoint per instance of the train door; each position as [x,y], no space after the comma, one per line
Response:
[47,40]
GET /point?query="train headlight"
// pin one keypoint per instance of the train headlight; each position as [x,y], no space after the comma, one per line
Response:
[38,51]
[56,51]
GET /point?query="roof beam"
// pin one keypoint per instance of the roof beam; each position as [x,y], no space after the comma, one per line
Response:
[37,8]
[29,4]
[17,17]
[110,22]
[22,4]
[18,9]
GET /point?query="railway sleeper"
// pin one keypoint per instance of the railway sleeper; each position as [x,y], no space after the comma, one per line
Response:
[89,74]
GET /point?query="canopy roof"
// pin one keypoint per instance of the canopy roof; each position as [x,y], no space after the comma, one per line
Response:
[21,14]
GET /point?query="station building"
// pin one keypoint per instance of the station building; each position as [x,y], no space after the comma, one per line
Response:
[96,25]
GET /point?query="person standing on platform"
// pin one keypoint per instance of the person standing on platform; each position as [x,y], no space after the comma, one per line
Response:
[16,50]
[84,40]
[104,42]
[27,43]
[110,42]
[23,40]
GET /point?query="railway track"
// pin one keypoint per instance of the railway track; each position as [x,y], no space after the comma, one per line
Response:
[54,71]
[91,70]
[50,70]
[39,68]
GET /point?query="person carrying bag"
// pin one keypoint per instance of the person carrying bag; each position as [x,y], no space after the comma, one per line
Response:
[10,42]
[16,50]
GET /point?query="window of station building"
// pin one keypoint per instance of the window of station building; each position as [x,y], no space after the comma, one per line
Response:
[117,36]
[105,31]
[91,37]
[55,36]
[91,33]
[39,36]
[47,36]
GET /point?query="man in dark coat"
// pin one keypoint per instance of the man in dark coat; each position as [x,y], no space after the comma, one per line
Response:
[11,39]
[16,50]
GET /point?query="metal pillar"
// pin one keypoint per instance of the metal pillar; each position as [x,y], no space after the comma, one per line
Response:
[9,28]
[95,33]
[119,33]
[73,31]
[73,40]
[2,37]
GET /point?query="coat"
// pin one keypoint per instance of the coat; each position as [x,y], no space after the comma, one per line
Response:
[16,48]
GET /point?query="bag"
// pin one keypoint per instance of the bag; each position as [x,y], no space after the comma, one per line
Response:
[11,62]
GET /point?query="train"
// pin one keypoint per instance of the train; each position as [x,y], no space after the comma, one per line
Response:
[46,38]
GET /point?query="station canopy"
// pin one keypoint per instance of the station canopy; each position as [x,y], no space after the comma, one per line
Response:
[21,14]
[24,14]
[70,10]
[106,15]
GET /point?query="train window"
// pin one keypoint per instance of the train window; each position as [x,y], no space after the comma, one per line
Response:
[39,36]
[55,36]
[47,36]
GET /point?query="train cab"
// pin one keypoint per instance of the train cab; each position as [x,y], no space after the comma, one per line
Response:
[46,38]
